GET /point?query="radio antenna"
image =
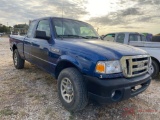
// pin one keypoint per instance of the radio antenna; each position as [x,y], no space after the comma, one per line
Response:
[62,7]
[62,17]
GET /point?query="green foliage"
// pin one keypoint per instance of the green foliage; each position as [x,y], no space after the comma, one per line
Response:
[4,29]
[21,26]
[7,112]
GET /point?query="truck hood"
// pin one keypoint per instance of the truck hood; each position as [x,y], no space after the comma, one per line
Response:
[116,47]
[109,50]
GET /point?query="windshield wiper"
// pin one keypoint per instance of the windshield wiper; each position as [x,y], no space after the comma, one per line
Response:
[72,36]
[91,37]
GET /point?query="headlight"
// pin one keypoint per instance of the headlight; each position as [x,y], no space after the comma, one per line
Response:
[108,67]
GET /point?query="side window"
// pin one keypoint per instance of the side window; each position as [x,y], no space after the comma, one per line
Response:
[43,25]
[120,38]
[31,28]
[109,37]
[133,37]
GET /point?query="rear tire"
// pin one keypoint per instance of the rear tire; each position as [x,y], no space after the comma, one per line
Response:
[71,85]
[17,60]
[154,69]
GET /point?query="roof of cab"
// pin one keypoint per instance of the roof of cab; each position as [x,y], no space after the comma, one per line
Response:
[123,32]
[54,17]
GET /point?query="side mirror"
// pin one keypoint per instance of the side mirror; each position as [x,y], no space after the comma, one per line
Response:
[41,35]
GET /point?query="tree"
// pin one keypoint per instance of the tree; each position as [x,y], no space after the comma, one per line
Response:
[4,29]
[20,28]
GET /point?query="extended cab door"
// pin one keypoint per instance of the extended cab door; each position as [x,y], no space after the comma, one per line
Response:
[28,40]
[41,46]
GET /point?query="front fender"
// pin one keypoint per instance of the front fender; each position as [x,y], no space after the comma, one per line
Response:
[69,59]
[86,66]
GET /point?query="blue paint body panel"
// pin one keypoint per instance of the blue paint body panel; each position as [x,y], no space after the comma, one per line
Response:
[84,54]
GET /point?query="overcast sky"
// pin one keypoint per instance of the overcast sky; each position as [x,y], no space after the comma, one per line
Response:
[107,15]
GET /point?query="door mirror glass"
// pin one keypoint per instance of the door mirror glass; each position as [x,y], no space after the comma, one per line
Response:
[41,35]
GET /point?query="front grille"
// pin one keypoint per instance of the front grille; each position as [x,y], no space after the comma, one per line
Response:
[135,65]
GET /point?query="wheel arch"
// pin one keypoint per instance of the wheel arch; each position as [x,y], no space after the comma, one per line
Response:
[65,63]
[153,58]
[14,47]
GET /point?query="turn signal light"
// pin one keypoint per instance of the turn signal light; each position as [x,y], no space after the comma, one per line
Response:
[100,67]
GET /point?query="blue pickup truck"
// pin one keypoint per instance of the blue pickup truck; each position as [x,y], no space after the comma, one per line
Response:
[86,67]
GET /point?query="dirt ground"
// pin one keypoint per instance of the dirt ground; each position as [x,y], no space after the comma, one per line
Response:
[31,94]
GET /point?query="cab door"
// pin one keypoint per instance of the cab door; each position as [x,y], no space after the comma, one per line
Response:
[28,41]
[41,47]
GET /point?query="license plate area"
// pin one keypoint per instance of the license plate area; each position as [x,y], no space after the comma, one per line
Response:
[135,88]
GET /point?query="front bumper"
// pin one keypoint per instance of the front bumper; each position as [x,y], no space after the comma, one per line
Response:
[115,90]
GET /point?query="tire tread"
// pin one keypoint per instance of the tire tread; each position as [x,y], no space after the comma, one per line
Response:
[79,81]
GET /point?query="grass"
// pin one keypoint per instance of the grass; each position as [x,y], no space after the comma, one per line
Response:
[71,117]
[48,110]
[22,113]
[7,112]
[21,90]
[40,96]
[37,97]
[50,80]
[30,95]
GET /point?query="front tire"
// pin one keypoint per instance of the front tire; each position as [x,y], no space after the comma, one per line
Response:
[154,69]
[17,60]
[72,90]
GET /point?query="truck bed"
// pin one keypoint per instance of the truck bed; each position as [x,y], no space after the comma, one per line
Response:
[145,44]
[18,41]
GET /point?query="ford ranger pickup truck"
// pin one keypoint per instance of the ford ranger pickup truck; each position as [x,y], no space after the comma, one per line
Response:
[85,67]
[139,40]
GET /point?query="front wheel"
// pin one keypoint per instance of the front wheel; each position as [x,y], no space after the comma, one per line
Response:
[17,60]
[72,90]
[154,69]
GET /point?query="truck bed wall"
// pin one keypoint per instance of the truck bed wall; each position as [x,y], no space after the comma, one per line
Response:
[16,40]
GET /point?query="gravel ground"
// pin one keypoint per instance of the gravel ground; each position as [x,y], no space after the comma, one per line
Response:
[31,94]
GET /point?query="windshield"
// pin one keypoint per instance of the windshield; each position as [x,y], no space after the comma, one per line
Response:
[66,28]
